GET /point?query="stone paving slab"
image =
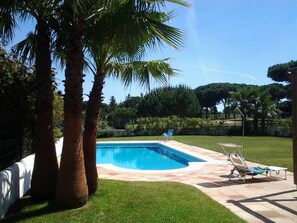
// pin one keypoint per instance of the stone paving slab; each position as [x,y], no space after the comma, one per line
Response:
[258,200]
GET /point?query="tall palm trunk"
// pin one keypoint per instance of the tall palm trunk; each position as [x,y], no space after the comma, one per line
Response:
[90,132]
[45,172]
[72,190]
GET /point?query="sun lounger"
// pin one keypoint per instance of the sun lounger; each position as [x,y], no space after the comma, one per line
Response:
[242,169]
[276,171]
[231,148]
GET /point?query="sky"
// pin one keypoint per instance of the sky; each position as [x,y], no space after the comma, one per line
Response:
[231,41]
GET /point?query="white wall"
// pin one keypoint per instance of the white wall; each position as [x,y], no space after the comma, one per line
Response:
[15,180]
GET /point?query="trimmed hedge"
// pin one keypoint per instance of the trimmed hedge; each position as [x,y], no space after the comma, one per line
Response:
[181,126]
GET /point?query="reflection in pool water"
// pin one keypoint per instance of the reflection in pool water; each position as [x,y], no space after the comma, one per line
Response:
[144,156]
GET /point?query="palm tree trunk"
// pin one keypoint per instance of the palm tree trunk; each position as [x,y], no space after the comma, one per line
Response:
[90,132]
[72,190]
[45,172]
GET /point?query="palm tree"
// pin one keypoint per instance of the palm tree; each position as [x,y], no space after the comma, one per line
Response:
[264,107]
[241,100]
[145,27]
[78,16]
[45,170]
[139,70]
[72,188]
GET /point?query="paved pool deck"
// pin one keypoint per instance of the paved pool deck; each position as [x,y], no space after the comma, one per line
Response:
[257,200]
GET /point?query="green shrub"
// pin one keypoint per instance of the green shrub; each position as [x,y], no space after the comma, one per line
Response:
[104,130]
[182,126]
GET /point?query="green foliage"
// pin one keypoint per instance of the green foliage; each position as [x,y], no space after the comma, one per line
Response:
[58,114]
[121,116]
[281,127]
[211,94]
[131,102]
[276,91]
[157,126]
[104,130]
[112,103]
[17,96]
[124,201]
[279,72]
[170,101]
[17,88]
[286,108]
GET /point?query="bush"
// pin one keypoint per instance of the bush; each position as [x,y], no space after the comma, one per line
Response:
[104,130]
[280,127]
[181,126]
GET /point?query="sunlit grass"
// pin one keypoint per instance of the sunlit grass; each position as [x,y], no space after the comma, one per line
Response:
[120,201]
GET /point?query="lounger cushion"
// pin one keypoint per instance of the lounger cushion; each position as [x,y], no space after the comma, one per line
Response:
[257,170]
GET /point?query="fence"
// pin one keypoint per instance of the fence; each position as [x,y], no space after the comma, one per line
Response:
[10,141]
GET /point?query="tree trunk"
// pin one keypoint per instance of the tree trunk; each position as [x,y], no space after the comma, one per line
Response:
[263,119]
[72,190]
[45,172]
[90,132]
[293,77]
[255,125]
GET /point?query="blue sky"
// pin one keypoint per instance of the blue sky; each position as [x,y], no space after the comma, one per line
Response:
[225,41]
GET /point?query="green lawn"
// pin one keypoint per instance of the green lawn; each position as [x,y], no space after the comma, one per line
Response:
[270,151]
[120,201]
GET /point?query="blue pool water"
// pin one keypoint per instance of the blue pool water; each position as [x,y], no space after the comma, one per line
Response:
[144,156]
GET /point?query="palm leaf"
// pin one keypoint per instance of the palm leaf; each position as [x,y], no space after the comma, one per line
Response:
[26,48]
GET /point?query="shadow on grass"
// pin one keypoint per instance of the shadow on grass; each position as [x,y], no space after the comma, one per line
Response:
[23,209]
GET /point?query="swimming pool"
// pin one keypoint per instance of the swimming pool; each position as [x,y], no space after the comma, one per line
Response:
[143,156]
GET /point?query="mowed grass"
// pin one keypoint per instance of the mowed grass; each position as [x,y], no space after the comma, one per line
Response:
[120,201]
[269,151]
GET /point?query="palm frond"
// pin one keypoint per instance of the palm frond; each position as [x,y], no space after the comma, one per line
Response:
[26,48]
[7,26]
[142,72]
[179,2]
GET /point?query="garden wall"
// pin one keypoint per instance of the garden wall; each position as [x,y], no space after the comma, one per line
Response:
[15,181]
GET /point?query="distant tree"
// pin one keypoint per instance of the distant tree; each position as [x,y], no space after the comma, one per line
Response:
[121,116]
[131,102]
[170,101]
[276,91]
[104,111]
[213,94]
[255,103]
[286,108]
[241,100]
[279,72]
[205,96]
[264,107]
[112,104]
